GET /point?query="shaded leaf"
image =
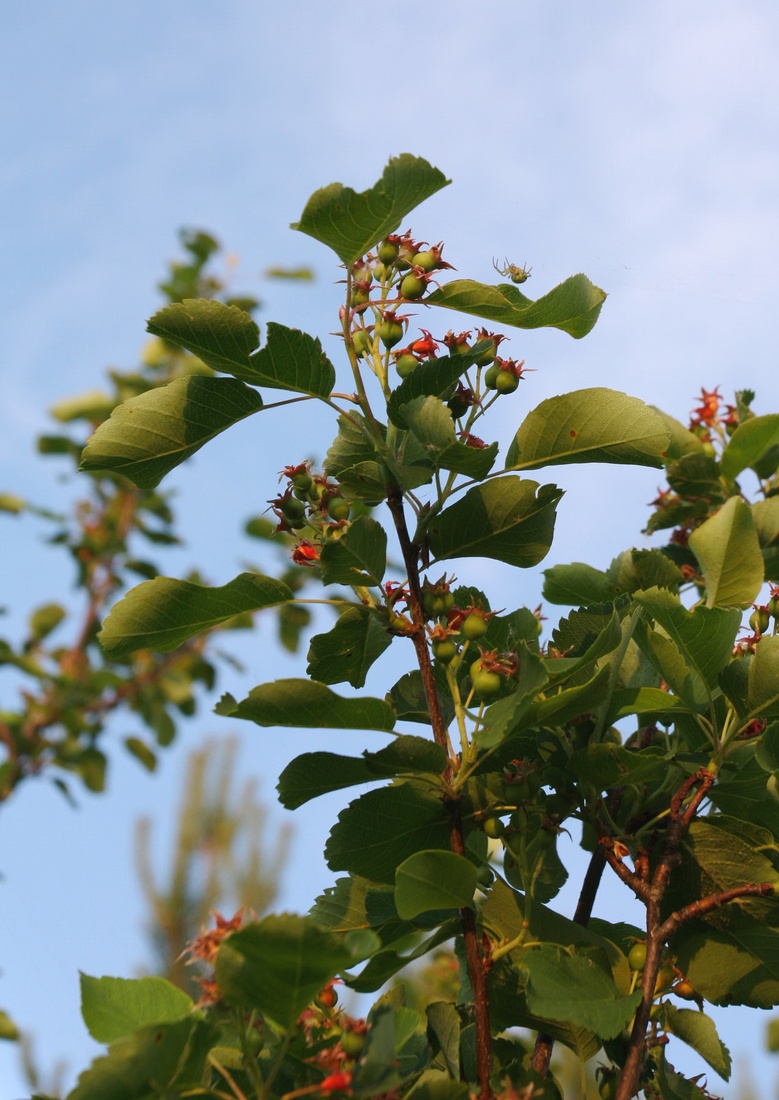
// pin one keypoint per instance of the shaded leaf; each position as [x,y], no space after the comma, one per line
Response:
[290,702]
[347,652]
[577,584]
[171,1054]
[408,698]
[591,425]
[576,990]
[351,223]
[505,518]
[431,422]
[573,305]
[278,965]
[381,828]
[436,378]
[164,613]
[358,557]
[315,773]
[700,1032]
[433,880]
[148,435]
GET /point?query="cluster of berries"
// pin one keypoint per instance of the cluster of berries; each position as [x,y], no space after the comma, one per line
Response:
[310,501]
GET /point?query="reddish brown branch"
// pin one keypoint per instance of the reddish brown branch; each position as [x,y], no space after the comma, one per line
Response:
[476,970]
[713,901]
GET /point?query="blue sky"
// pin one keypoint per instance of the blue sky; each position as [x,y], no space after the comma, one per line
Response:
[637,143]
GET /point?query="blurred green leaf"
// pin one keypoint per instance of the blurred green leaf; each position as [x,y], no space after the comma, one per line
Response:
[164,613]
[114,1007]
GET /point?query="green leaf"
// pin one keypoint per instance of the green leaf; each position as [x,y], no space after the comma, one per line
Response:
[8,1029]
[148,435]
[636,569]
[765,513]
[347,652]
[358,556]
[315,773]
[700,1032]
[705,635]
[408,698]
[576,990]
[571,702]
[754,442]
[277,966]
[729,555]
[433,880]
[353,460]
[592,425]
[577,584]
[435,378]
[503,519]
[682,441]
[172,1055]
[222,336]
[308,705]
[291,360]
[114,1007]
[573,305]
[164,613]
[381,828]
[431,422]
[751,682]
[351,223]
[502,717]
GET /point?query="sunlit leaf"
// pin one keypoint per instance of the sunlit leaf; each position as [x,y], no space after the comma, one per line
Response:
[592,425]
[728,552]
[573,305]
[351,223]
[147,436]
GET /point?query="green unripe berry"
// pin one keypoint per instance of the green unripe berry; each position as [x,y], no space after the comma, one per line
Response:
[338,508]
[363,343]
[412,287]
[360,296]
[352,1043]
[493,826]
[302,481]
[388,252]
[506,381]
[406,364]
[485,875]
[486,684]
[474,626]
[759,620]
[427,260]
[444,650]
[491,376]
[637,956]
[390,332]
